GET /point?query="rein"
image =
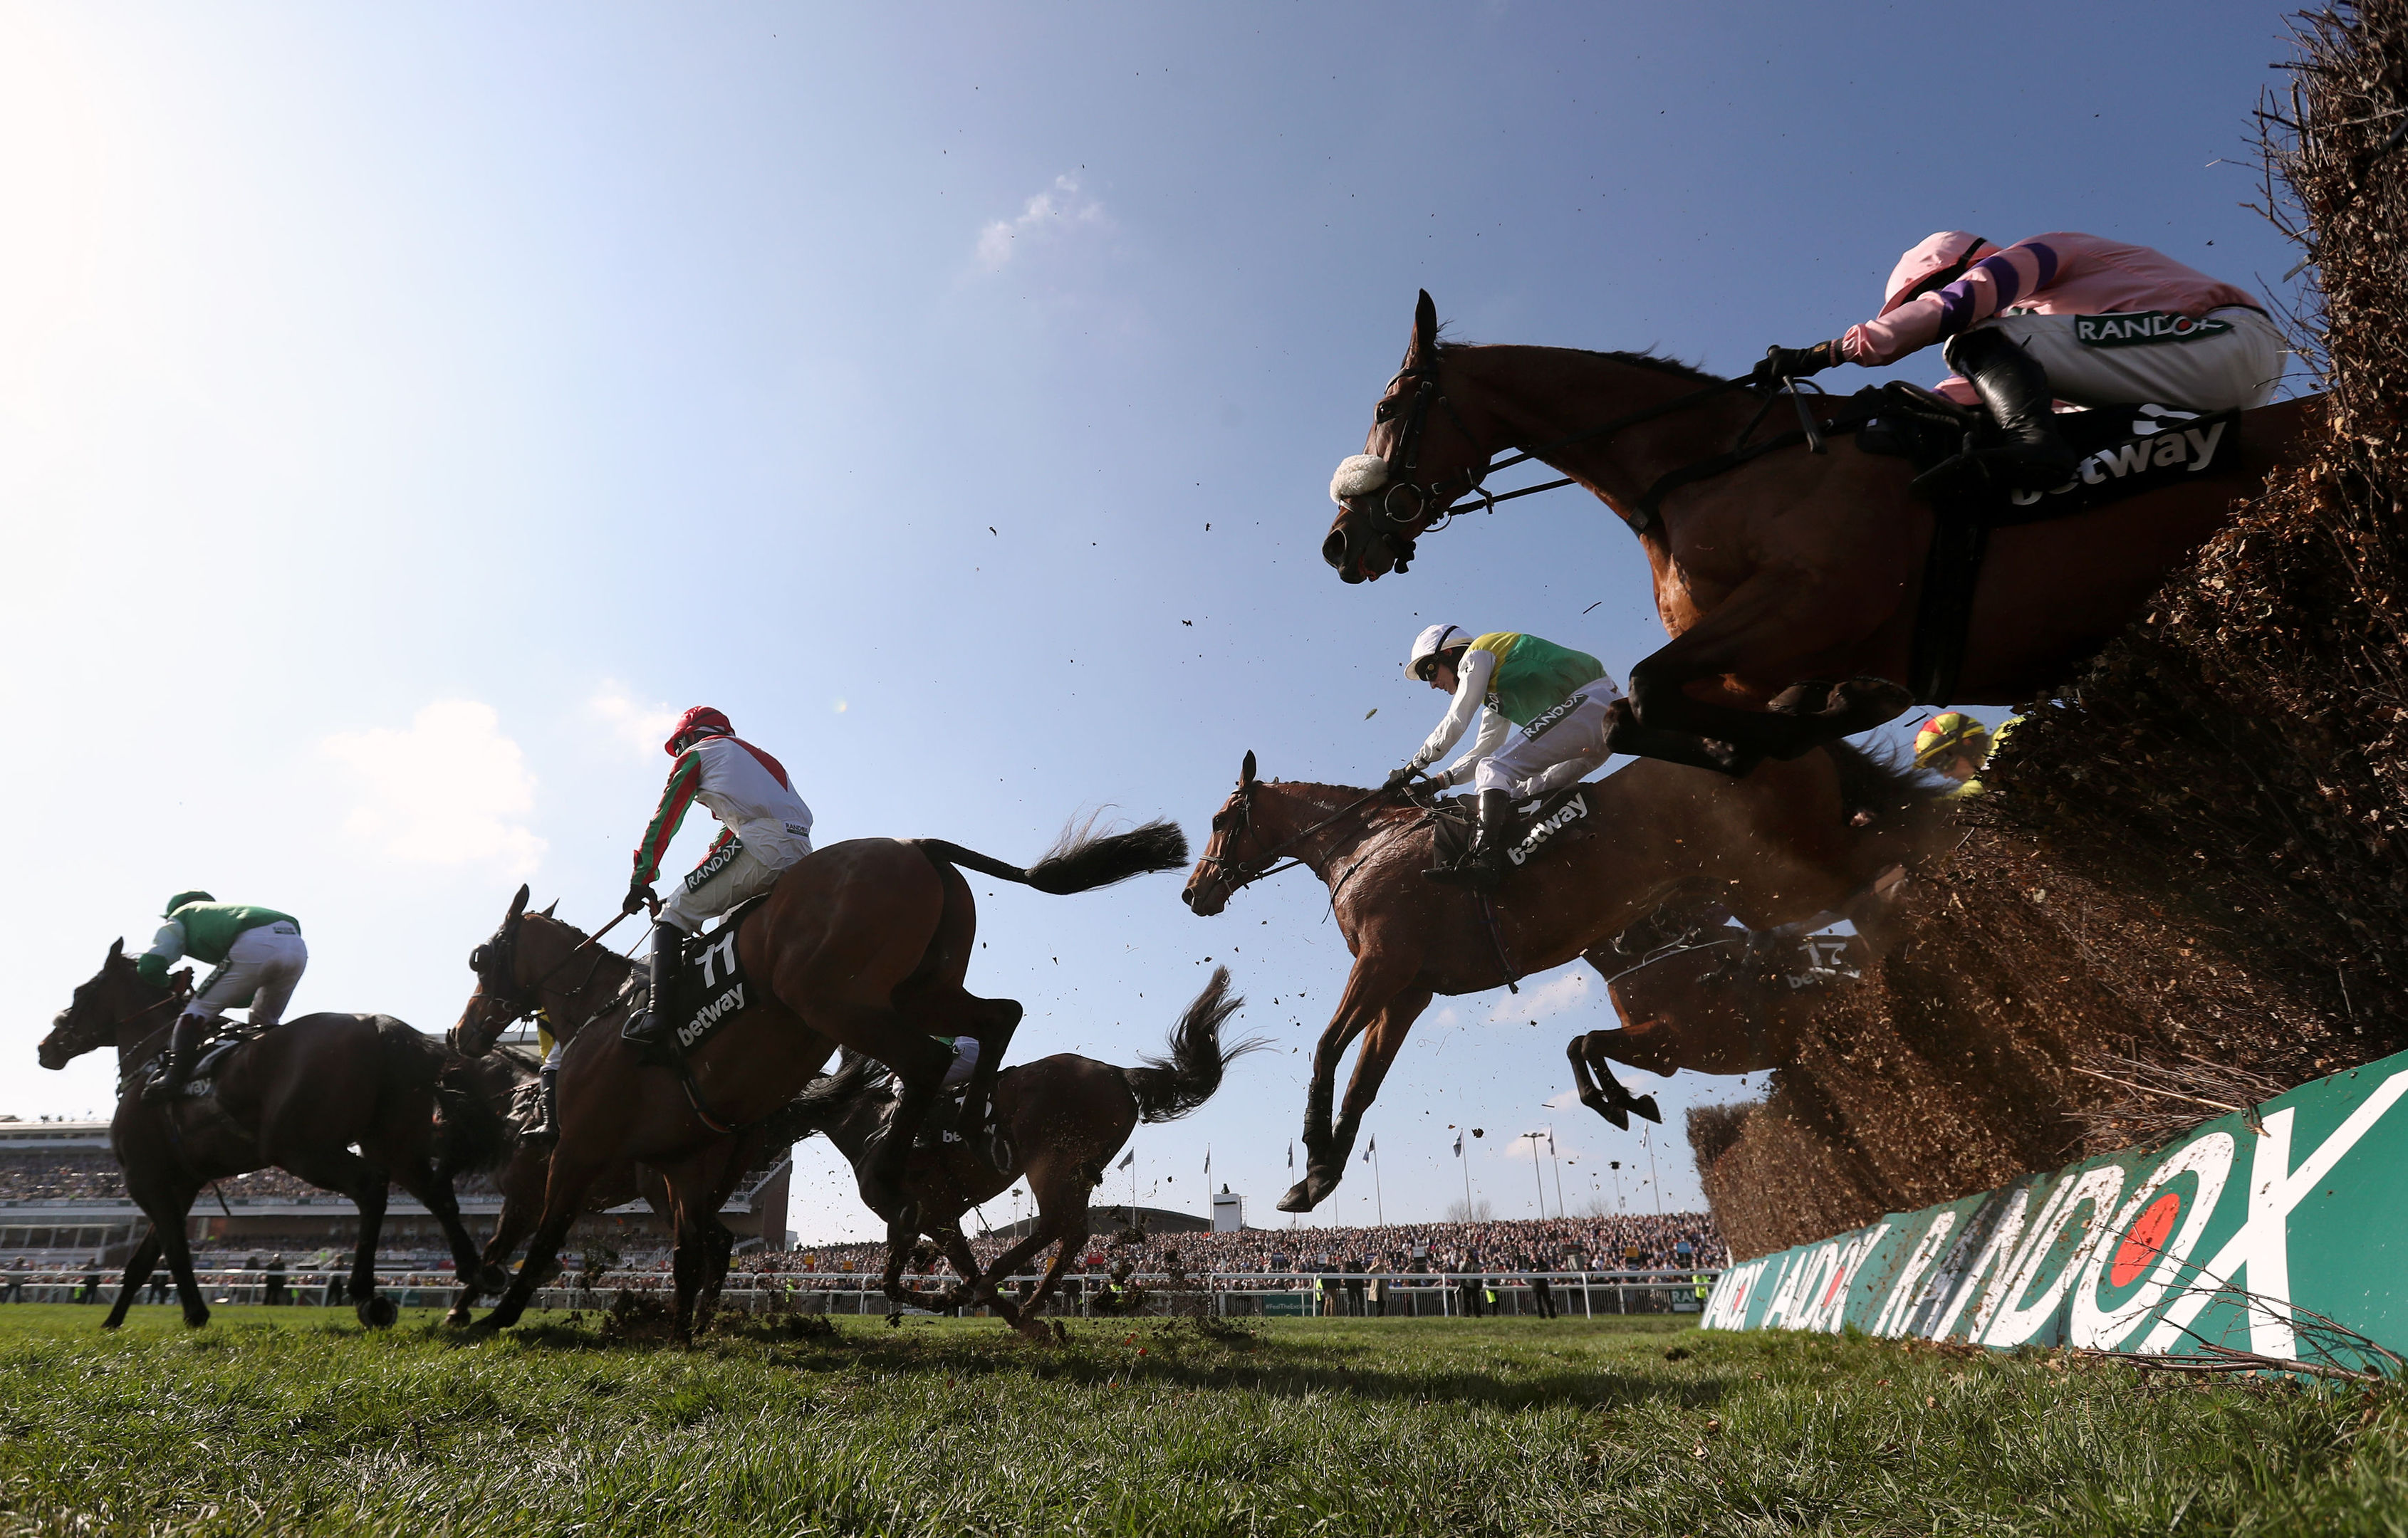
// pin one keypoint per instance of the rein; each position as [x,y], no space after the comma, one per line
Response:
[1246,873]
[525,1003]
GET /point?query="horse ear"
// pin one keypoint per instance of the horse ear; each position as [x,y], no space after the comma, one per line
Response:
[1246,770]
[548,906]
[1425,324]
[117,948]
[518,903]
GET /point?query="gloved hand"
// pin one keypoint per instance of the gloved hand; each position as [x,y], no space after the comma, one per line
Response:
[639,895]
[1399,778]
[1793,363]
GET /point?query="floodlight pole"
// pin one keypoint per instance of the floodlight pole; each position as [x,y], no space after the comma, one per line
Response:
[1537,1174]
[1379,1203]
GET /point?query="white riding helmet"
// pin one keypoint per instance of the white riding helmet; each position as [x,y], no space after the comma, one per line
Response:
[1429,642]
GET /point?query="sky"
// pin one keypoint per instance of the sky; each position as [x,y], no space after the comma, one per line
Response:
[406,411]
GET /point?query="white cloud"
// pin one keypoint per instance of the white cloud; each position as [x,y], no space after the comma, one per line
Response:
[1054,214]
[448,790]
[641,726]
[1567,992]
[1563,1101]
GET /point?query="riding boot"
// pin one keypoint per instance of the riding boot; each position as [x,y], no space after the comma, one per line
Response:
[1483,866]
[546,1128]
[649,1026]
[2028,454]
[980,1126]
[943,1120]
[176,1063]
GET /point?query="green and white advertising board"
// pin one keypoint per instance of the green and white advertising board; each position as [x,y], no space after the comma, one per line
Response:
[2237,1235]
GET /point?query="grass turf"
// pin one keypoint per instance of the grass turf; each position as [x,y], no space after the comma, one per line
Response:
[294,1420]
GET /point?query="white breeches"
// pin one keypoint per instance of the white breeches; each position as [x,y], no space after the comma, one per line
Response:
[966,1056]
[2235,368]
[1559,747]
[261,969]
[718,884]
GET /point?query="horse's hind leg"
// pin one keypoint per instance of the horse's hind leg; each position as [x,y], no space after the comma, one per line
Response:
[341,1170]
[1607,1096]
[138,1271]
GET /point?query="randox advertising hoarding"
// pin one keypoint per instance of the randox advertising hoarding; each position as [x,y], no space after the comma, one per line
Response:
[2246,1234]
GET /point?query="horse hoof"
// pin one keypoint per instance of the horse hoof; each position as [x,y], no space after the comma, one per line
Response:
[378,1313]
[1616,1115]
[195,1317]
[1645,1106]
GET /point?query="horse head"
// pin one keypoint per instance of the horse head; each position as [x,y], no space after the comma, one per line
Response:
[1224,868]
[1415,462]
[115,995]
[501,997]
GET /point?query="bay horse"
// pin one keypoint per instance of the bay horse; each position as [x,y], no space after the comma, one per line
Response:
[1787,842]
[1736,1004]
[862,944]
[1066,1116]
[349,1102]
[1790,583]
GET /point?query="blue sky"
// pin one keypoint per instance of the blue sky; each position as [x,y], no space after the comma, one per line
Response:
[402,411]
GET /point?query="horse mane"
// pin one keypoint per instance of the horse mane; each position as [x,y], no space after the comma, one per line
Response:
[828,1097]
[1644,358]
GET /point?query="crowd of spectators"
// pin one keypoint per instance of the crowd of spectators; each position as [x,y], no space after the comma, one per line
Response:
[33,1174]
[1680,1241]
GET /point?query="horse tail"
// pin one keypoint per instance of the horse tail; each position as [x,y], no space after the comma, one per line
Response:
[473,1133]
[1081,859]
[1168,1088]
[1875,782]
[824,1100]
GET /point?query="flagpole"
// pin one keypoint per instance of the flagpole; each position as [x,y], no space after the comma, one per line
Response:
[1653,1178]
[1377,1201]
[1538,1176]
[1559,1170]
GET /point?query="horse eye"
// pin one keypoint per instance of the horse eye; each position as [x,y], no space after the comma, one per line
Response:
[1384,411]
[476,960]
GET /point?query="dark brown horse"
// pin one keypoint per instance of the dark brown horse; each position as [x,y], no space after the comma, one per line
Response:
[1786,843]
[1735,1004]
[864,943]
[1066,1116]
[349,1102]
[1790,584]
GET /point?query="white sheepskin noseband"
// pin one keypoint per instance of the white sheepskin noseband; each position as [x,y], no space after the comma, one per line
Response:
[1357,475]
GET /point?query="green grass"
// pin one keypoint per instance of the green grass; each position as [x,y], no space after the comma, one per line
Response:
[295,1420]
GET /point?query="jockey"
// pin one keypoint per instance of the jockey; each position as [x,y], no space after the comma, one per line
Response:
[259,959]
[765,829]
[1558,698]
[2023,324]
[1954,745]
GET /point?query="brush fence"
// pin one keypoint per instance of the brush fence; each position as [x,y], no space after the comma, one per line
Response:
[2280,1231]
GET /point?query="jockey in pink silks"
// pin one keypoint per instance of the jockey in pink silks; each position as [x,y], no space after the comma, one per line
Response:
[2067,316]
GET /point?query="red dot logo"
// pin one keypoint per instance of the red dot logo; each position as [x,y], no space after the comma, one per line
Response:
[2145,1242]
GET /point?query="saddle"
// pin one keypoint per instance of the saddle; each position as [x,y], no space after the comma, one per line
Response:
[202,1083]
[1537,824]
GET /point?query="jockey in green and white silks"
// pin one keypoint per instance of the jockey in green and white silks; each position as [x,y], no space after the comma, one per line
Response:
[766,829]
[1545,727]
[259,957]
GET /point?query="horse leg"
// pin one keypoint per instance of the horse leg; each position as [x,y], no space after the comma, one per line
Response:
[420,1179]
[1590,1094]
[571,1170]
[522,1201]
[338,1169]
[1766,628]
[1369,988]
[138,1271]
[1608,1097]
[1387,1033]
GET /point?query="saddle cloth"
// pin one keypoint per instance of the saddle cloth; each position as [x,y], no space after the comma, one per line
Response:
[1537,824]
[709,988]
[203,1082]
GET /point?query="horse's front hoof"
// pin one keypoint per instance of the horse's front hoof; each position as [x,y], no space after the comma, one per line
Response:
[197,1316]
[1645,1106]
[1306,1194]
[379,1312]
[1613,1114]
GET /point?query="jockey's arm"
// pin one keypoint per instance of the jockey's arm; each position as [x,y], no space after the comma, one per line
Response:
[166,950]
[685,779]
[1493,733]
[1988,285]
[1471,692]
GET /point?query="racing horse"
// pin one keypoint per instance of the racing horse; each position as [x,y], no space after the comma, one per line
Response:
[1066,1116]
[350,1102]
[1790,581]
[1787,842]
[862,944]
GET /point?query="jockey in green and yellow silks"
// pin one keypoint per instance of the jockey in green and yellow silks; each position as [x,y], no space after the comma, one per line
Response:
[1558,699]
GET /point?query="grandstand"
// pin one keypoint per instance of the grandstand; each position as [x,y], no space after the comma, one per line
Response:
[63,1202]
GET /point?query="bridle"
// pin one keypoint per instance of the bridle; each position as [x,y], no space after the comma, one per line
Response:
[1241,874]
[501,955]
[1399,526]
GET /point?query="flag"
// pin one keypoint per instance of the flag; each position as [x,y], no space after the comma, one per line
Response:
[1127,1160]
[1459,1145]
[1369,1149]
[1208,1161]
[1291,1153]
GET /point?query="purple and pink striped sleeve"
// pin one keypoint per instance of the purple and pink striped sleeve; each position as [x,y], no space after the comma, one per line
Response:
[1989,286]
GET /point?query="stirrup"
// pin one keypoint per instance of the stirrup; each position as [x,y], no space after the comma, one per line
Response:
[1479,874]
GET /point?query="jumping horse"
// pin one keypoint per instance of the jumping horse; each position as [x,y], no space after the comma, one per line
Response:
[349,1102]
[862,944]
[1066,1116]
[1790,581]
[1787,842]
